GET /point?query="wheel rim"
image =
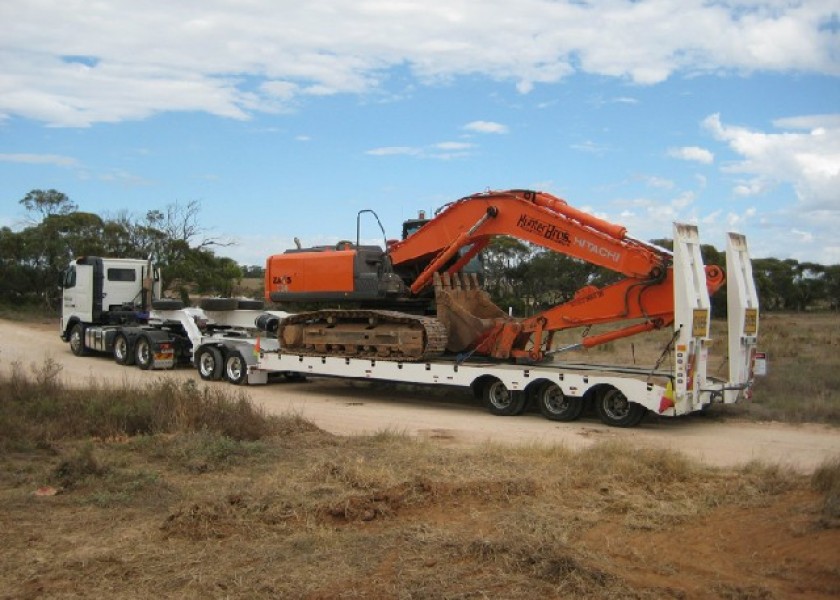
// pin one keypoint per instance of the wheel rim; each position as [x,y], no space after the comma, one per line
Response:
[121,348]
[75,340]
[143,352]
[207,364]
[554,400]
[615,405]
[235,368]
[499,395]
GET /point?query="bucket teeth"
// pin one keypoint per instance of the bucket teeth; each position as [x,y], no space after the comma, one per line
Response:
[464,308]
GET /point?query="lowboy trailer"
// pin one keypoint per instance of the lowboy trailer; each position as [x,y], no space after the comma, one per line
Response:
[621,396]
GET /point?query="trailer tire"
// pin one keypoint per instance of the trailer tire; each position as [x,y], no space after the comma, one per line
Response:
[236,369]
[167,304]
[500,401]
[218,304]
[143,354]
[557,406]
[615,410]
[122,350]
[246,304]
[209,363]
[77,340]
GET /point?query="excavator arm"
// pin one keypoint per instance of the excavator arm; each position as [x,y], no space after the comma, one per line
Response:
[645,294]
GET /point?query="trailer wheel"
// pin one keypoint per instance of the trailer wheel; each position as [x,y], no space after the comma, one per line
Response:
[209,363]
[122,351]
[143,353]
[218,304]
[77,340]
[167,304]
[616,410]
[246,304]
[236,369]
[500,401]
[557,406]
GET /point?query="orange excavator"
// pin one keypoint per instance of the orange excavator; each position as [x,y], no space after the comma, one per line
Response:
[418,298]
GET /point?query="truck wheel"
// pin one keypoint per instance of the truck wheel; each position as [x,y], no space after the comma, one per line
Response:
[616,410]
[209,363]
[218,304]
[246,304]
[502,402]
[236,369]
[143,355]
[122,351]
[557,406]
[166,304]
[77,340]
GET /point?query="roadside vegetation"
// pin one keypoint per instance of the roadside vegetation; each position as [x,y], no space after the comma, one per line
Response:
[188,490]
[802,384]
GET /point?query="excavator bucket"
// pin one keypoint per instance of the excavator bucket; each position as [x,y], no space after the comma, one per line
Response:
[464,309]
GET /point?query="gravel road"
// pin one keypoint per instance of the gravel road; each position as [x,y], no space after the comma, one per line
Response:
[449,416]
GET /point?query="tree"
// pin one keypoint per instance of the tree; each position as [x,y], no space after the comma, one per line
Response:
[48,203]
[502,280]
[832,286]
[31,260]
[809,285]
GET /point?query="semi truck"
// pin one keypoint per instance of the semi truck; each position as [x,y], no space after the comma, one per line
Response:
[391,334]
[115,306]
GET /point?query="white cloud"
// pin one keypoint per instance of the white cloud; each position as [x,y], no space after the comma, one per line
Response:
[119,60]
[659,182]
[440,151]
[40,159]
[692,153]
[395,151]
[486,127]
[810,162]
[683,200]
[454,146]
[590,146]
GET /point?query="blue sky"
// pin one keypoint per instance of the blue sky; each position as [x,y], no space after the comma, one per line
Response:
[285,118]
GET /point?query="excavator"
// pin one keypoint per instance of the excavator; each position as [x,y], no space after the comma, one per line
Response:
[420,297]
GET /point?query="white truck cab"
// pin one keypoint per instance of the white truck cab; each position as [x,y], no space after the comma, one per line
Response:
[106,290]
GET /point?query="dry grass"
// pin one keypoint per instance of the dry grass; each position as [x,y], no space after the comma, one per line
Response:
[803,382]
[37,409]
[826,480]
[187,510]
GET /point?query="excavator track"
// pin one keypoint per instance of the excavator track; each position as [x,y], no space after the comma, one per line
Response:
[374,334]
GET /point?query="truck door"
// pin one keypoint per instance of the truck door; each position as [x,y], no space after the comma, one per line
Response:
[77,297]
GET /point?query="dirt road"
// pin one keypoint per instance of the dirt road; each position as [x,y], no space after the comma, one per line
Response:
[450,416]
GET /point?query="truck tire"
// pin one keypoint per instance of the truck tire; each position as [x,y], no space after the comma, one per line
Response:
[143,354]
[557,406]
[246,304]
[122,350]
[218,304]
[236,369]
[166,304]
[501,401]
[209,363]
[615,410]
[77,340]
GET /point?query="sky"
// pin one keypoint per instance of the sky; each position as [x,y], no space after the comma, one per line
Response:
[284,118]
